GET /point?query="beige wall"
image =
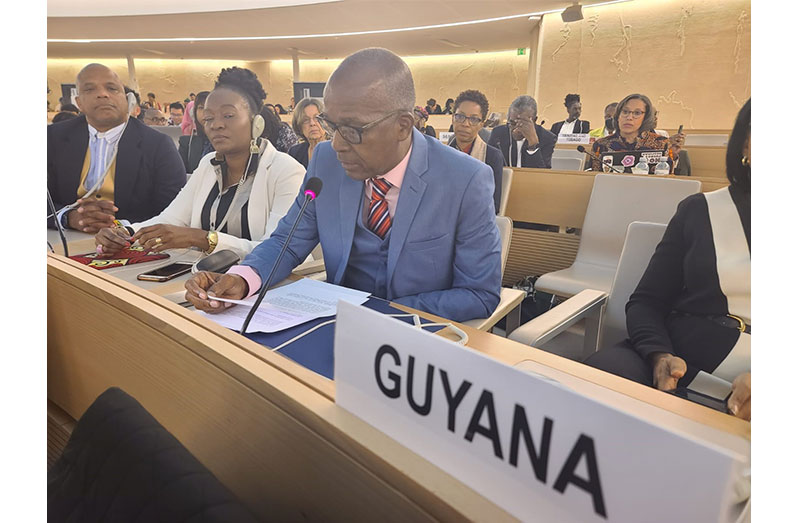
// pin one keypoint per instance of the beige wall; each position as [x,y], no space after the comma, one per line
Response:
[693,59]
[501,76]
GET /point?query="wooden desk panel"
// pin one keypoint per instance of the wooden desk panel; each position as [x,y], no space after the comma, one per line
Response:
[266,427]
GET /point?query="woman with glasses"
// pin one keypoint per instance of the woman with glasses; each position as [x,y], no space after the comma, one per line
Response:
[470,110]
[634,130]
[307,127]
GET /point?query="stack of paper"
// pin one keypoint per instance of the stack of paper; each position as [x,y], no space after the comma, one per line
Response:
[287,306]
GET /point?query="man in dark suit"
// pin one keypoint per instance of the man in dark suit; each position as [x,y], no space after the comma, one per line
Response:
[402,216]
[523,142]
[104,165]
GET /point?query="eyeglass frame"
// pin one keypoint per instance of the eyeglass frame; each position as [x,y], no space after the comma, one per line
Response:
[469,119]
[631,113]
[332,127]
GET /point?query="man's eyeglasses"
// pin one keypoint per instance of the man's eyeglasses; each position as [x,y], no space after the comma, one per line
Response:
[625,113]
[350,133]
[472,120]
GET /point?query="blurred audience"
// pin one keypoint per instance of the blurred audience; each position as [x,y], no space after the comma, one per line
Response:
[307,127]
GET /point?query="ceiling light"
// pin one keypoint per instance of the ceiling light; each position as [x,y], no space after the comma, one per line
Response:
[322,35]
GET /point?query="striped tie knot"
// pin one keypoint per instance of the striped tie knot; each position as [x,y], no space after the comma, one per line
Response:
[379,219]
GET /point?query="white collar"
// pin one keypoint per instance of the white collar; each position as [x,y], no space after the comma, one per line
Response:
[111,135]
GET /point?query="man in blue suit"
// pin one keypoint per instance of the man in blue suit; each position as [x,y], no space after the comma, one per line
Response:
[401,215]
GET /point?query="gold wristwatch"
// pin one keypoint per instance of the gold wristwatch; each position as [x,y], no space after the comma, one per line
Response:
[213,241]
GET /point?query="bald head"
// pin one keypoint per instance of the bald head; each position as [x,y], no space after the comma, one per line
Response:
[92,68]
[101,97]
[378,76]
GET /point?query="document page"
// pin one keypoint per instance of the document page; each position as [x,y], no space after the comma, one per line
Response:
[287,306]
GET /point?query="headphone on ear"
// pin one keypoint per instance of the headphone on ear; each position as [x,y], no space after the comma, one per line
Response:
[131,102]
[258,125]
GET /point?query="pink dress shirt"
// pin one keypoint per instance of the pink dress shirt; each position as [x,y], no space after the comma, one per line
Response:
[394,177]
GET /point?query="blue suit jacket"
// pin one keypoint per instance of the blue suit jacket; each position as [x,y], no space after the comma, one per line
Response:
[444,255]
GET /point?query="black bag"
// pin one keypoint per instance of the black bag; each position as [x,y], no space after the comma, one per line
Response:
[535,303]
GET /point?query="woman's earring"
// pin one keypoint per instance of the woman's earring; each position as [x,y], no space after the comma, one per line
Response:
[745,161]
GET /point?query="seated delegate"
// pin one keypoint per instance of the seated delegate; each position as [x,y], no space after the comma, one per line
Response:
[691,311]
[193,146]
[470,110]
[308,128]
[523,142]
[104,165]
[234,198]
[401,215]
[572,125]
[634,124]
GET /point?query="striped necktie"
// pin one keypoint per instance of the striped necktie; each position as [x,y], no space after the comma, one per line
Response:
[379,220]
[98,148]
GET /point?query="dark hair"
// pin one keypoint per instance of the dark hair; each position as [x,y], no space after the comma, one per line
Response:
[69,108]
[271,130]
[281,109]
[613,104]
[571,98]
[472,95]
[64,116]
[244,82]
[191,94]
[449,102]
[177,105]
[150,95]
[199,99]
[648,119]
[739,175]
[431,101]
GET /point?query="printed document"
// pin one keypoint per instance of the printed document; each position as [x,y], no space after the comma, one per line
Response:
[287,306]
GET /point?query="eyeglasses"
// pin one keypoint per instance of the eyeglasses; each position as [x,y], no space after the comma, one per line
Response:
[472,120]
[352,134]
[635,114]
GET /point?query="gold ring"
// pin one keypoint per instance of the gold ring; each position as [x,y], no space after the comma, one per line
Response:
[158,241]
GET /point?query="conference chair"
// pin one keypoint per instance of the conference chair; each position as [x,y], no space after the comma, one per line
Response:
[172,131]
[568,153]
[604,326]
[566,164]
[507,182]
[510,299]
[121,465]
[615,202]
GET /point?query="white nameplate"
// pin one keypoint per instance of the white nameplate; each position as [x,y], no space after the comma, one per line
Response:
[573,138]
[445,137]
[538,450]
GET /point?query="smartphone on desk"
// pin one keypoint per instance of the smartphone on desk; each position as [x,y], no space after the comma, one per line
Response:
[166,273]
[701,399]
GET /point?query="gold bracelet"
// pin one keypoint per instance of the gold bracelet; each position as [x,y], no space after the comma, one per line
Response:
[213,241]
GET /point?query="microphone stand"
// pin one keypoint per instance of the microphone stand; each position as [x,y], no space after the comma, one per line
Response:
[262,293]
[57,223]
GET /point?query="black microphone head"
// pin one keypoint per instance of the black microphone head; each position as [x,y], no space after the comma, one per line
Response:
[313,188]
[580,148]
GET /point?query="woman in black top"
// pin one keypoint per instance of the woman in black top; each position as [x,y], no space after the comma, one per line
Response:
[196,145]
[691,312]
[448,108]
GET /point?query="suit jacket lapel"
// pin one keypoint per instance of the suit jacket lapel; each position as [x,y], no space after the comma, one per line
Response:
[75,144]
[128,159]
[350,196]
[413,187]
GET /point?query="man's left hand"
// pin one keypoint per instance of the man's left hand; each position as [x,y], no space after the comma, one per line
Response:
[739,403]
[677,142]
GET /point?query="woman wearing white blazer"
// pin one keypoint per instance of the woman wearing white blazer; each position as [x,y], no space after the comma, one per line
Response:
[237,194]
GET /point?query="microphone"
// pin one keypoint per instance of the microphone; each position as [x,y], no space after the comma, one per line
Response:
[312,191]
[581,149]
[57,222]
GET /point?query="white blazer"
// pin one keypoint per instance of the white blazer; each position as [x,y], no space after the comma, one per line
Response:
[274,189]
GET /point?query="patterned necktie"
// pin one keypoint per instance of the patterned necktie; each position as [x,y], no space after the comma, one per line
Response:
[97,148]
[379,220]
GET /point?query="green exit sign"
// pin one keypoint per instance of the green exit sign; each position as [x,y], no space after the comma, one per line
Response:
[521,51]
